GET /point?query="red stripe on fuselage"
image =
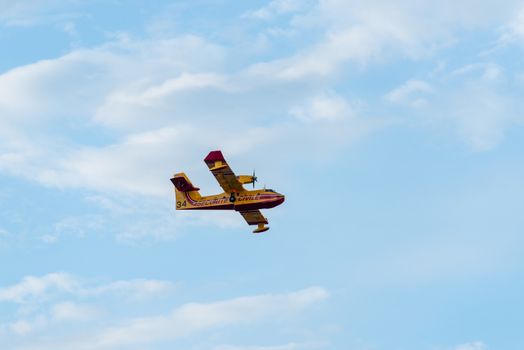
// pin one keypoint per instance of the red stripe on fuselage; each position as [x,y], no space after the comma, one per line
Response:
[216,203]
[263,202]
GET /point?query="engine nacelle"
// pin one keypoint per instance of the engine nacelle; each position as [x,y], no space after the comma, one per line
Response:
[246,179]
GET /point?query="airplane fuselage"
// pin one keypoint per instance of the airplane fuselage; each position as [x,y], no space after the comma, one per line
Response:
[246,200]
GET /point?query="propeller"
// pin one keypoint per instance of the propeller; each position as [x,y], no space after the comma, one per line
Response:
[254,178]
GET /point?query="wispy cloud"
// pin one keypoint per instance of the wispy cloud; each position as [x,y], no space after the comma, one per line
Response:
[152,102]
[472,101]
[489,71]
[58,315]
[482,116]
[324,108]
[478,345]
[289,346]
[359,33]
[149,92]
[131,289]
[35,289]
[183,321]
[276,8]
[56,299]
[513,29]
[191,318]
[26,13]
[3,234]
[411,93]
[69,311]
[517,25]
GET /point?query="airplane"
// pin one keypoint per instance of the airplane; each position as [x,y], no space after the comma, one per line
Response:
[235,197]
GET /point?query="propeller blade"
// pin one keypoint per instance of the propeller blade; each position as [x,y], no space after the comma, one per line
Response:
[254,178]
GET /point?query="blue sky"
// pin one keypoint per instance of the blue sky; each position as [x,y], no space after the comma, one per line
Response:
[395,130]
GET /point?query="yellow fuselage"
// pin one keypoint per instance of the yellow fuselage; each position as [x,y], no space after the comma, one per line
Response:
[246,200]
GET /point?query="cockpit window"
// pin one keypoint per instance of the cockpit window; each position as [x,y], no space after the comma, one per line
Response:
[270,190]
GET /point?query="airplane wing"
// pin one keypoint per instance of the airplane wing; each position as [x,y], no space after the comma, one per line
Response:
[226,178]
[253,217]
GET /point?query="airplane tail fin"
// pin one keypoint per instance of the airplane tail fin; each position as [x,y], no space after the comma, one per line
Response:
[185,192]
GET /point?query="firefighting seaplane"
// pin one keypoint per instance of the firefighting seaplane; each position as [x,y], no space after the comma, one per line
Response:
[235,197]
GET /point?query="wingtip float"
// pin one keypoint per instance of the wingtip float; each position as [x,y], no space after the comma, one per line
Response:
[235,197]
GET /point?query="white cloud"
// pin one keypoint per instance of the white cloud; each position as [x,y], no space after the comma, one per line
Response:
[151,93]
[29,107]
[78,226]
[69,311]
[136,165]
[513,30]
[4,233]
[517,26]
[490,71]
[87,77]
[191,318]
[49,238]
[410,93]
[289,346]
[359,32]
[468,14]
[21,327]
[44,82]
[154,97]
[132,289]
[322,60]
[472,101]
[377,31]
[276,8]
[140,164]
[324,108]
[32,12]
[134,220]
[185,320]
[482,115]
[122,107]
[34,287]
[478,345]
[59,314]
[53,300]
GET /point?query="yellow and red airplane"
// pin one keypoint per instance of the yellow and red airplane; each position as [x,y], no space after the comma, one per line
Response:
[235,197]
